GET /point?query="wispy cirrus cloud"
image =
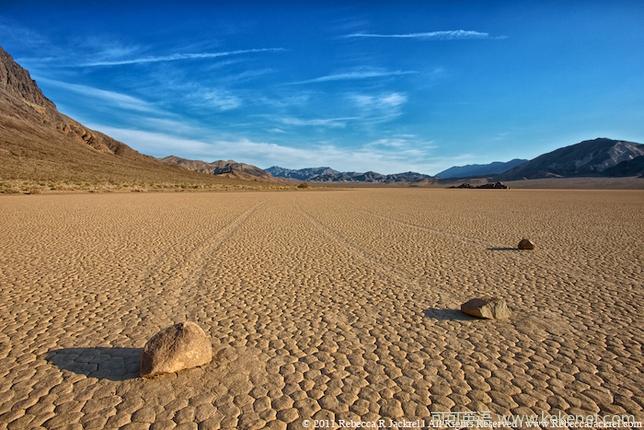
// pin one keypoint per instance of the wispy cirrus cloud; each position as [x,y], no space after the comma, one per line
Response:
[117,99]
[319,122]
[355,75]
[378,108]
[23,36]
[176,57]
[428,35]
[222,100]
[387,100]
[360,109]
[402,142]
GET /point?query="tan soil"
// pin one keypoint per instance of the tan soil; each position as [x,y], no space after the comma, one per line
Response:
[338,305]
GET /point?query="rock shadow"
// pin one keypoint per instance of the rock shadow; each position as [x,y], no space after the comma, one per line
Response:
[445,314]
[503,248]
[115,364]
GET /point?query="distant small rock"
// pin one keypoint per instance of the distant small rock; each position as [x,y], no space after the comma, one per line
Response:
[486,307]
[465,185]
[526,244]
[181,346]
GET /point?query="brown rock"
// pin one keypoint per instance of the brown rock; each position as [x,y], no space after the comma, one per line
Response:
[181,346]
[526,244]
[486,307]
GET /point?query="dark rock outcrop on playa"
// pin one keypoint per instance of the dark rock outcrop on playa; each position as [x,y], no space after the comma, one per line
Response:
[488,186]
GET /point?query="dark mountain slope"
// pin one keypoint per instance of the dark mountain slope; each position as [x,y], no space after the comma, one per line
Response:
[634,167]
[473,170]
[587,158]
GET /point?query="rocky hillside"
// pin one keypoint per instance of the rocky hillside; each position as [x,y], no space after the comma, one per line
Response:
[327,174]
[223,168]
[21,101]
[478,170]
[42,149]
[301,174]
[587,158]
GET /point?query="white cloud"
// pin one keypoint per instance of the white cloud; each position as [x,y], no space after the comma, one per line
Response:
[179,126]
[220,99]
[11,31]
[241,149]
[379,107]
[177,57]
[386,100]
[246,75]
[393,99]
[396,154]
[321,122]
[429,35]
[396,142]
[355,75]
[120,100]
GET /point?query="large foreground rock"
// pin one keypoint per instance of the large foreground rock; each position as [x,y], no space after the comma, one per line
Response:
[486,307]
[181,346]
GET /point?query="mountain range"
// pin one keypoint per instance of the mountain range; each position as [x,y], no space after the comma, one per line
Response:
[327,174]
[596,157]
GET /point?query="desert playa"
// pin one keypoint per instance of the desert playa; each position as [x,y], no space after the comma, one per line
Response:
[321,305]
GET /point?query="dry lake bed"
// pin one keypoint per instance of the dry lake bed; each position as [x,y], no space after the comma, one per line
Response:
[321,306]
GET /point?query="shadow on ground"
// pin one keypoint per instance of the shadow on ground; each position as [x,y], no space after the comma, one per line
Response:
[116,364]
[444,314]
[503,248]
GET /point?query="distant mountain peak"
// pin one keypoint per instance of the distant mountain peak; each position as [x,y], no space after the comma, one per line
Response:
[228,168]
[591,157]
[16,80]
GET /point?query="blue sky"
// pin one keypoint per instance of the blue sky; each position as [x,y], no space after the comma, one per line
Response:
[384,86]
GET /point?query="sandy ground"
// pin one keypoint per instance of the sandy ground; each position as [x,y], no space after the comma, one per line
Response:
[324,305]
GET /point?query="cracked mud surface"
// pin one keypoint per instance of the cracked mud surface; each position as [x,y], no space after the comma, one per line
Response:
[320,305]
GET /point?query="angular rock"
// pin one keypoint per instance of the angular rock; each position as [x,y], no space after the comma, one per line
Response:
[493,186]
[526,244]
[181,346]
[486,307]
